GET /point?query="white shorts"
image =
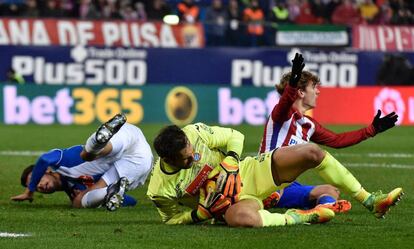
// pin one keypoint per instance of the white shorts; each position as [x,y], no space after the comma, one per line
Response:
[135,173]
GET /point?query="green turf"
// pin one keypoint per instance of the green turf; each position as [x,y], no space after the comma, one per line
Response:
[53,224]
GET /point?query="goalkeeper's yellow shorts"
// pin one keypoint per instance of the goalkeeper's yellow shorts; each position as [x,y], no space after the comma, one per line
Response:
[257,179]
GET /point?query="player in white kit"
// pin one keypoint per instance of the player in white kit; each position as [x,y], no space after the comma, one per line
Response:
[117,151]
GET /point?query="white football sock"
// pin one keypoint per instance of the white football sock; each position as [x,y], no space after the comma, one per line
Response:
[92,146]
[93,198]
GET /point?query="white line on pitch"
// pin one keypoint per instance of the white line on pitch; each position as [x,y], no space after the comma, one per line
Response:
[20,153]
[13,235]
[376,155]
[370,155]
[379,165]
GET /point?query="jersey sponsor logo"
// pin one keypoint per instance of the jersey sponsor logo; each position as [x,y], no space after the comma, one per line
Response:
[294,140]
[199,180]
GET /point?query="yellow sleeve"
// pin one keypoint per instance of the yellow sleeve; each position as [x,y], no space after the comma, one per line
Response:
[220,137]
[169,211]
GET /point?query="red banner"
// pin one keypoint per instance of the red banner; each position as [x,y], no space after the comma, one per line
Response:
[46,32]
[383,38]
[359,105]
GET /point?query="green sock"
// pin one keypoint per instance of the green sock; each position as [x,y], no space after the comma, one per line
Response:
[334,173]
[272,219]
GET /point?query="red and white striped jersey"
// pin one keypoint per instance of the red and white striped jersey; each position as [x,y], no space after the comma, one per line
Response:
[287,126]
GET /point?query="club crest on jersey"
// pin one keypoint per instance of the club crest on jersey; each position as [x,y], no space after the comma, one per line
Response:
[197,156]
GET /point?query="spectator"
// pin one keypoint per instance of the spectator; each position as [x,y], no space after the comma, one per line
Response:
[216,21]
[157,9]
[128,13]
[306,15]
[188,11]
[68,8]
[294,9]
[14,77]
[402,15]
[330,7]
[369,11]
[11,7]
[30,9]
[234,36]
[384,15]
[346,13]
[109,9]
[254,18]
[320,10]
[52,9]
[279,13]
[87,10]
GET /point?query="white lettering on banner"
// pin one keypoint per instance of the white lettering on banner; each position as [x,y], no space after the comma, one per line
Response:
[259,74]
[20,33]
[384,38]
[138,35]
[42,109]
[333,68]
[96,71]
[330,74]
[232,110]
[411,109]
[71,33]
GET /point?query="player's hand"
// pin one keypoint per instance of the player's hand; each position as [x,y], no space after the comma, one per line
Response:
[208,207]
[297,67]
[26,196]
[384,123]
[228,180]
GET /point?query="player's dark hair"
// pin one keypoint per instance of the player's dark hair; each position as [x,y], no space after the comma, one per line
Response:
[170,141]
[305,77]
[25,173]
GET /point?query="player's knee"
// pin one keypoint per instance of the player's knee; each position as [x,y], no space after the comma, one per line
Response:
[314,154]
[86,156]
[241,217]
[323,190]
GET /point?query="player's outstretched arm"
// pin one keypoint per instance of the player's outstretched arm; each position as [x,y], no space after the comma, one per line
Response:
[26,196]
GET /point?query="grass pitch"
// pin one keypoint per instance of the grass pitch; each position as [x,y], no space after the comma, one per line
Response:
[384,162]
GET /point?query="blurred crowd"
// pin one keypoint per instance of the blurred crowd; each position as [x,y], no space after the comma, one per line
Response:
[225,21]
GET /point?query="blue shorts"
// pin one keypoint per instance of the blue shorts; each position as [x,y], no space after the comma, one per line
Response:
[296,195]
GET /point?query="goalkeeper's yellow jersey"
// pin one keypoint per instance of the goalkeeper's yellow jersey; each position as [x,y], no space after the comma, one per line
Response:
[172,192]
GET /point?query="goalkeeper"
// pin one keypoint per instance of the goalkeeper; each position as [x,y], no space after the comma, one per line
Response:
[189,157]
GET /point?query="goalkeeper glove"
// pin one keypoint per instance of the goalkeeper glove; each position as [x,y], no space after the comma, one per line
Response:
[384,123]
[297,67]
[228,180]
[214,205]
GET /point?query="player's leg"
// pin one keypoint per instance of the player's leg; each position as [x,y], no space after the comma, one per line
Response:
[295,195]
[248,213]
[289,162]
[327,195]
[94,196]
[91,197]
[97,144]
[301,196]
[335,173]
[130,175]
